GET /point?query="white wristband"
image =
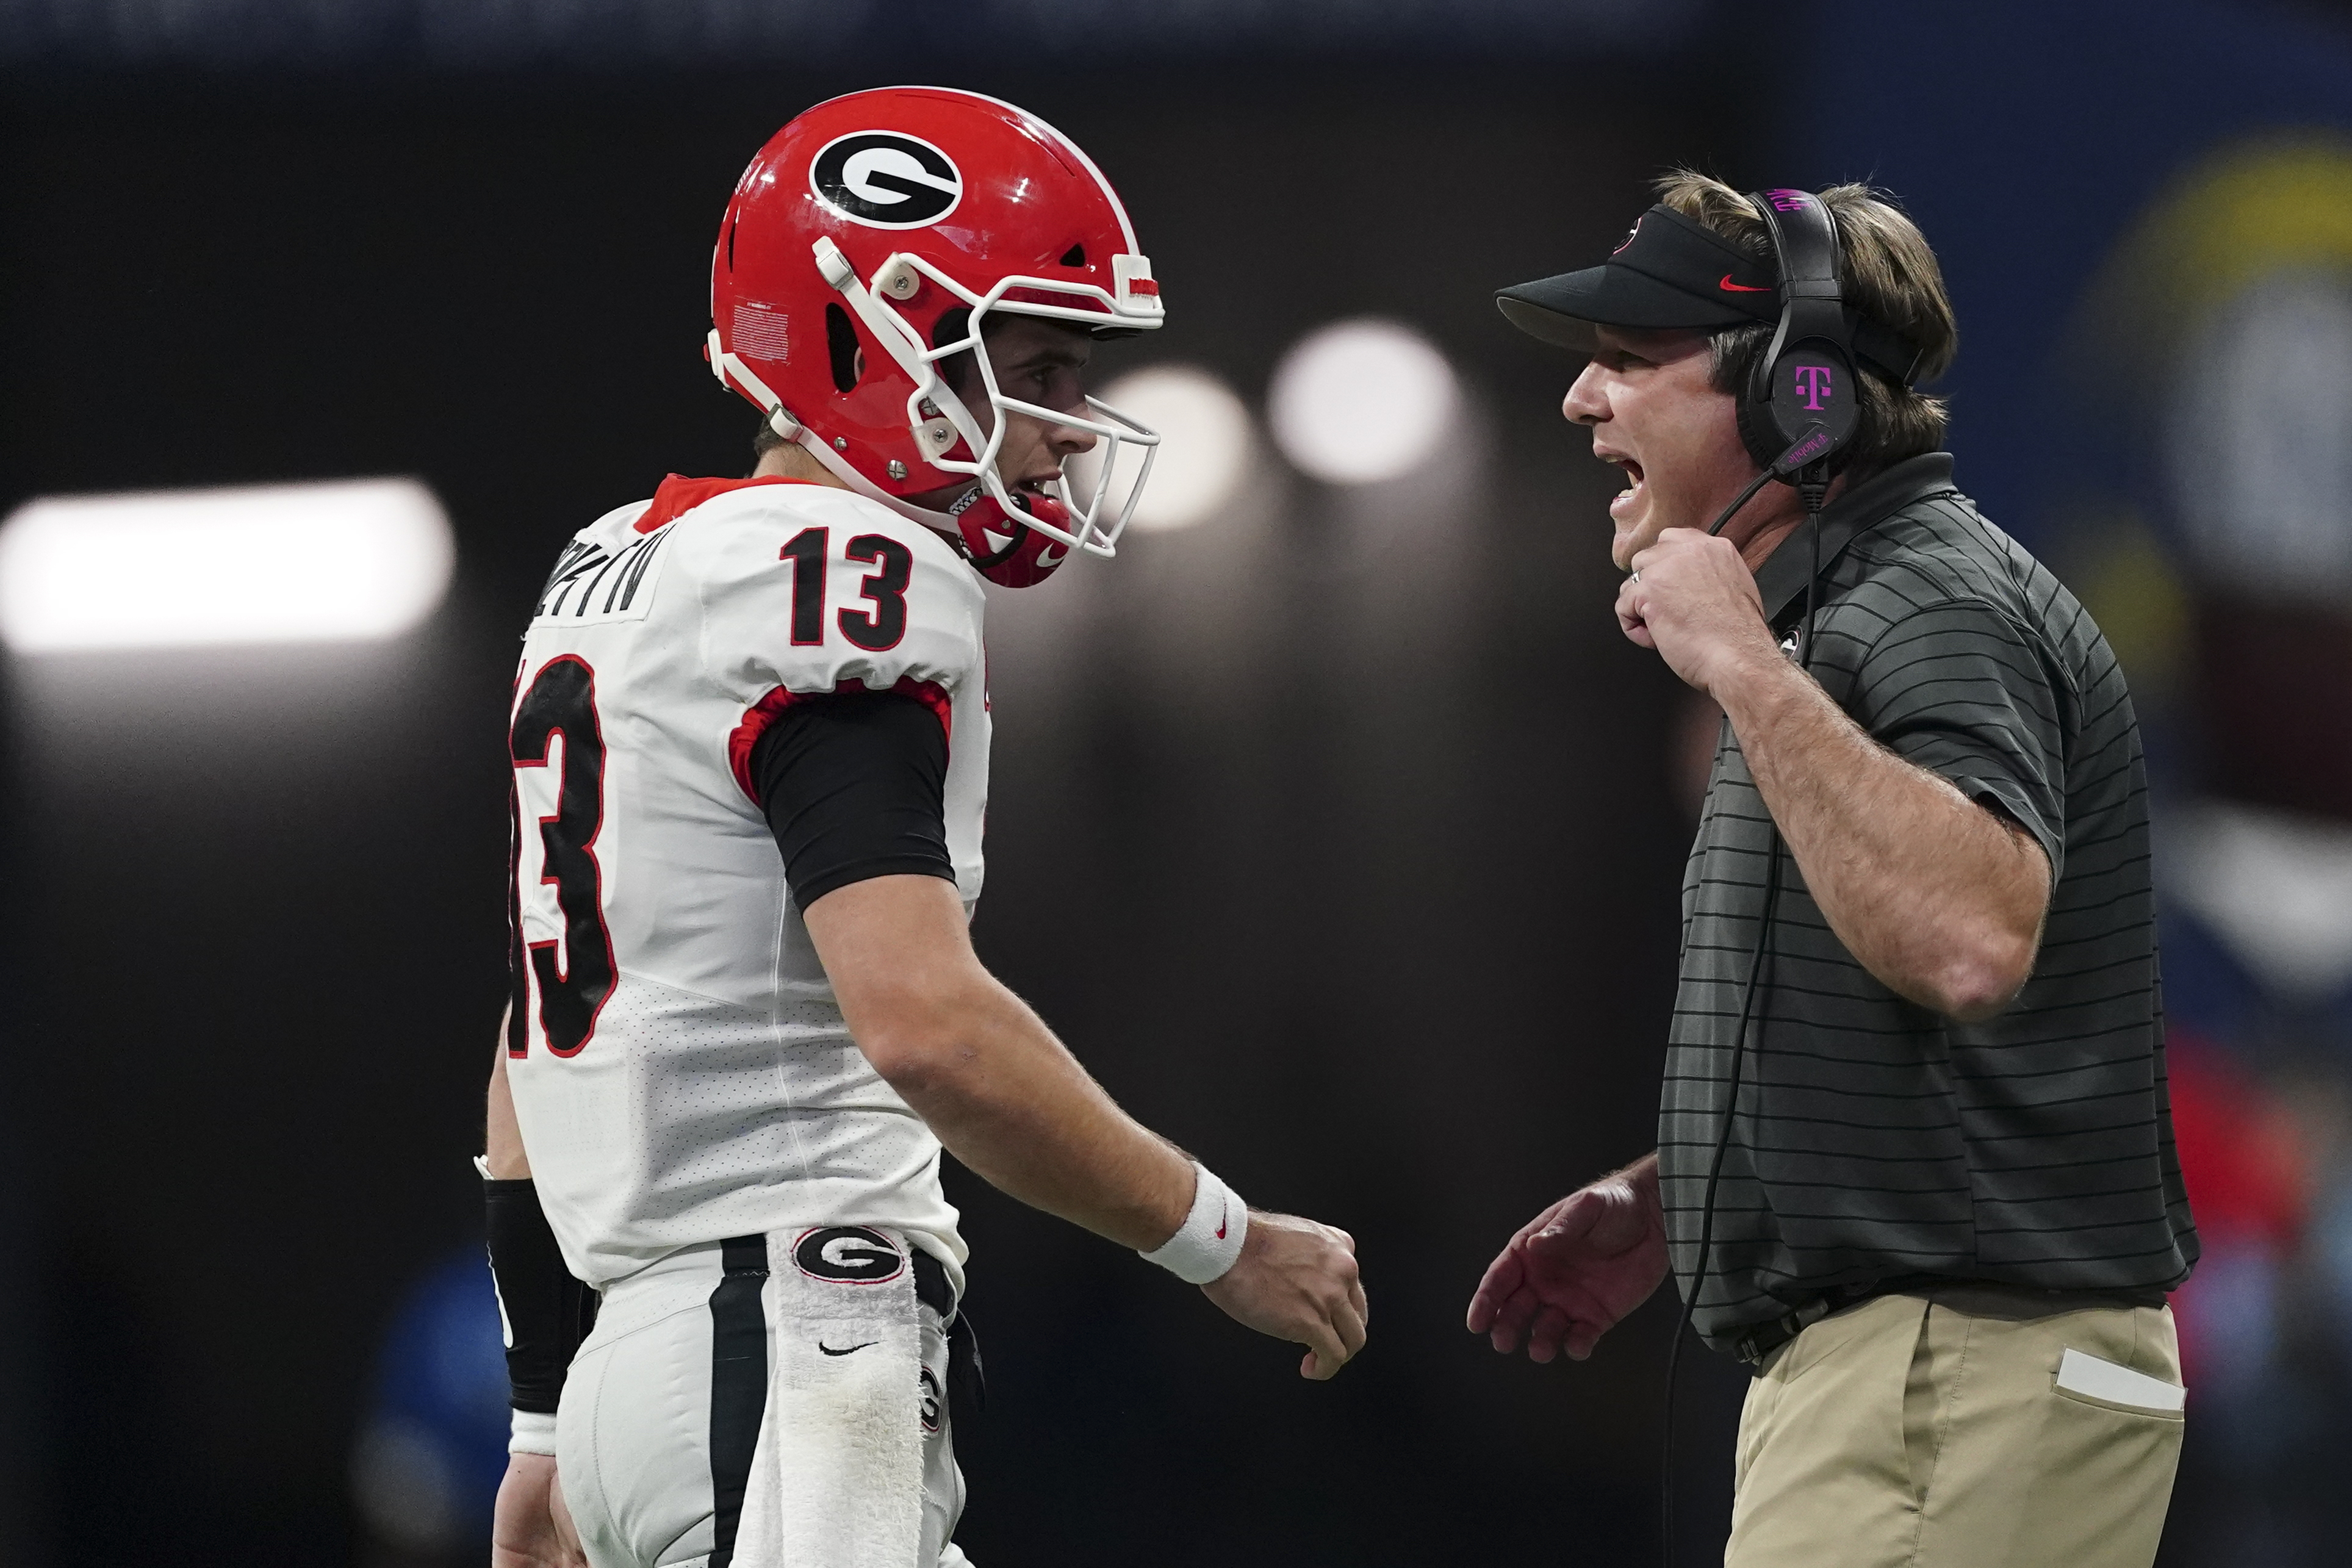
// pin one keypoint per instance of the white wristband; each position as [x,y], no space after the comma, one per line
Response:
[533,1432]
[1211,1237]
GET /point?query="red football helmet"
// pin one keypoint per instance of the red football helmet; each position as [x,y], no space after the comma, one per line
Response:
[893,221]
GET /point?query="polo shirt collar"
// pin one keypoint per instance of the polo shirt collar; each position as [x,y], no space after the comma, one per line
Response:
[1781,581]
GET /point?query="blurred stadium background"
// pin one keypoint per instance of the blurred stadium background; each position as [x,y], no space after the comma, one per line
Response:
[1334,826]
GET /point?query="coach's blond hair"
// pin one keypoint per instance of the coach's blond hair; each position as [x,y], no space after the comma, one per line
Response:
[1887,273]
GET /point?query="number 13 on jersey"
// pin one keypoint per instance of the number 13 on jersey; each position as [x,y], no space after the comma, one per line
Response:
[877,630]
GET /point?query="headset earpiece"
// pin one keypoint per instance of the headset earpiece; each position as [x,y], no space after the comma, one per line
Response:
[1805,379]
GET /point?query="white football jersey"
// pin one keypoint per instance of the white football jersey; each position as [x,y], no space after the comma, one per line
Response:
[680,1067]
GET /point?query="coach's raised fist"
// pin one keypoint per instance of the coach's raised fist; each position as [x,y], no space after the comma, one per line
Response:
[1296,1280]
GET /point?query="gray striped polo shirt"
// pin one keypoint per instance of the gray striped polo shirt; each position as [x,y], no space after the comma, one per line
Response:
[1875,1139]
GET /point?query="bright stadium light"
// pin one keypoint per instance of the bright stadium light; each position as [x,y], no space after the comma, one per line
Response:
[1204,444]
[350,559]
[1361,400]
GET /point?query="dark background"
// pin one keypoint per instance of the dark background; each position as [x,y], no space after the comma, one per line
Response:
[1336,889]
[1339,835]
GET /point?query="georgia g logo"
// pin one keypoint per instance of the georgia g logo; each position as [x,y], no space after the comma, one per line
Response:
[886,179]
[929,1393]
[848,1255]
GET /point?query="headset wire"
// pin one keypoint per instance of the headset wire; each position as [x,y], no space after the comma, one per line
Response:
[1813,487]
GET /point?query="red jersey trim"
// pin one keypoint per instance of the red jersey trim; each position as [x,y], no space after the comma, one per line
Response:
[770,708]
[679,495]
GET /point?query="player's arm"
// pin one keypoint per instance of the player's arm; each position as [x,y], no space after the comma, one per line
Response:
[529,1527]
[852,786]
[1011,1102]
[984,1070]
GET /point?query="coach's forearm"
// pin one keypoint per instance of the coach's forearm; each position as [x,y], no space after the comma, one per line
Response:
[983,1071]
[1935,895]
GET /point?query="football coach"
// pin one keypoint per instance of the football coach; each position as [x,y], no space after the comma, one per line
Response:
[1915,1159]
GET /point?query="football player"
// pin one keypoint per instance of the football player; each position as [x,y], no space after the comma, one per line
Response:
[750,736]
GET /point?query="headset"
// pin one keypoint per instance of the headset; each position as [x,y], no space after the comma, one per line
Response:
[1802,407]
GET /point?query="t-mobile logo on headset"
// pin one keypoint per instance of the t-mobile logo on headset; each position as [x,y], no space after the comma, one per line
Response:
[1813,384]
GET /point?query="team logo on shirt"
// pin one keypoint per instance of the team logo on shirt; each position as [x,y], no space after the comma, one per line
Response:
[848,1254]
[886,179]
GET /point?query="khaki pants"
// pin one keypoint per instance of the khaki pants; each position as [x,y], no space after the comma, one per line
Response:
[1910,1432]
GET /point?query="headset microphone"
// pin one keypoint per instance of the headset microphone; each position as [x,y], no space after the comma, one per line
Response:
[1806,451]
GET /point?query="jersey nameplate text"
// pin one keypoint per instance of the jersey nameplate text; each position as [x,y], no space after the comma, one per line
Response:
[592,583]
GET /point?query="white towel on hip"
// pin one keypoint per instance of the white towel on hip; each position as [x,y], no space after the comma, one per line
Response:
[838,1475]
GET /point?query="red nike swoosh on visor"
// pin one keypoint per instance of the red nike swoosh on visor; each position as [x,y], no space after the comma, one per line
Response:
[1742,287]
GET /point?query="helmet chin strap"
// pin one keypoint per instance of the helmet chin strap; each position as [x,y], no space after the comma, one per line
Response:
[840,468]
[732,370]
[900,341]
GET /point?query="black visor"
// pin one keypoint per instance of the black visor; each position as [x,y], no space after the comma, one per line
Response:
[1668,273]
[1672,273]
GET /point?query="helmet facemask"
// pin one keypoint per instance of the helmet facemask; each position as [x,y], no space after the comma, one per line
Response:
[940,420]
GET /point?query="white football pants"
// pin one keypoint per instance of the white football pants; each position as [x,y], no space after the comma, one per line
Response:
[767,1402]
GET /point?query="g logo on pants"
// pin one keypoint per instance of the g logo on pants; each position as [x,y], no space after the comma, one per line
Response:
[931,1401]
[848,1254]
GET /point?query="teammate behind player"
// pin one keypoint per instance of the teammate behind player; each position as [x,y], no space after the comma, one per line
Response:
[751,737]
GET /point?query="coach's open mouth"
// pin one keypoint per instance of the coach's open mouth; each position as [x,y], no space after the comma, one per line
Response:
[1634,480]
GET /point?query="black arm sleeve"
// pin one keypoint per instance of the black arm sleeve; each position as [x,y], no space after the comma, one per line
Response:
[852,783]
[548,1313]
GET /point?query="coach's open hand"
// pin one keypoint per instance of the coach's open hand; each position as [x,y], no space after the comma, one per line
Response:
[1694,599]
[1296,1279]
[530,1528]
[1576,1268]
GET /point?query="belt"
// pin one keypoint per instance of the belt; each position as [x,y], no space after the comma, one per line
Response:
[1982,1297]
[931,1288]
[1763,1339]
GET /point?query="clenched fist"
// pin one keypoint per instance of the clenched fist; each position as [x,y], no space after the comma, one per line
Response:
[1296,1280]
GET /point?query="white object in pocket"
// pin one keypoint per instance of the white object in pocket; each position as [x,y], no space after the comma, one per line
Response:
[2094,1379]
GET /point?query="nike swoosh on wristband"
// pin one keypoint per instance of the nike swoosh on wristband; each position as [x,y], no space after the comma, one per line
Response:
[851,1351]
[1224,1218]
[1743,288]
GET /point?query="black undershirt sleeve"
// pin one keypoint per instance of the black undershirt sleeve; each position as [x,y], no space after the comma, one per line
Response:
[852,783]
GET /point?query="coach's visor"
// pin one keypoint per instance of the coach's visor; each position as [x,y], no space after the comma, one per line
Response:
[1668,273]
